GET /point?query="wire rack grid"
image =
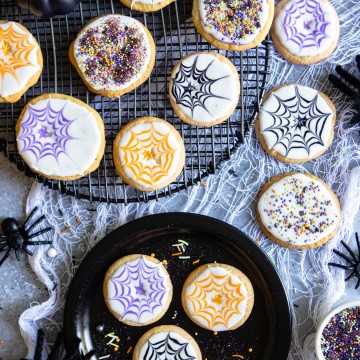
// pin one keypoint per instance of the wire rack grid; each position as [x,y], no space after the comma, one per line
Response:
[175,37]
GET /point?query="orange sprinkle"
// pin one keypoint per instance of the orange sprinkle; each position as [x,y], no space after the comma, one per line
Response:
[152,255]
[117,340]
[250,350]
[164,262]
[66,229]
[258,240]
[1,342]
[196,261]
[238,356]
[129,349]
[176,254]
[77,219]
[178,247]
[215,332]
[116,349]
[203,184]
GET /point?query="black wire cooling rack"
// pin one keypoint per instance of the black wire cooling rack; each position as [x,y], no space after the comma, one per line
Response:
[175,37]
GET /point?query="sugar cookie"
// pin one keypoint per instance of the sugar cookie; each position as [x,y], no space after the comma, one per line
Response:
[146,5]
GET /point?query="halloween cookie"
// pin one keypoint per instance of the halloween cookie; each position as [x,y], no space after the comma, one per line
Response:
[137,290]
[204,89]
[60,137]
[218,297]
[146,5]
[113,54]
[305,32]
[148,153]
[166,342]
[295,123]
[21,61]
[233,25]
[298,211]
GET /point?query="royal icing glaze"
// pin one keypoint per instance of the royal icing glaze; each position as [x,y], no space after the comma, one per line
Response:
[204,87]
[216,299]
[296,122]
[138,290]
[298,210]
[18,58]
[58,137]
[306,27]
[167,346]
[146,2]
[149,153]
[234,22]
[112,52]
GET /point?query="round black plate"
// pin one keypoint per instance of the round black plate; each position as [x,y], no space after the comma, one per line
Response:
[266,335]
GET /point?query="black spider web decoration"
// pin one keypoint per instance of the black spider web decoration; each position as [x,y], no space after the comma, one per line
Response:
[353,262]
[298,123]
[192,87]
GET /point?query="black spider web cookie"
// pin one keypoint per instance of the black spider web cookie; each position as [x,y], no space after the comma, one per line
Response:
[296,123]
[204,89]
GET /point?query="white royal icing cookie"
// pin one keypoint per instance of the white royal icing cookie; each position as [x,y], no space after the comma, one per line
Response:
[204,89]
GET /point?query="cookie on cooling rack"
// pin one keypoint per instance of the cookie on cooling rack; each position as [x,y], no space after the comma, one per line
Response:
[305,32]
[295,123]
[204,89]
[137,290]
[233,25]
[146,5]
[298,211]
[21,61]
[60,137]
[218,297]
[148,153]
[167,341]
[113,54]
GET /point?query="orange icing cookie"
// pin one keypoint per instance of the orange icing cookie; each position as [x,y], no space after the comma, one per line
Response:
[218,297]
[20,61]
[149,153]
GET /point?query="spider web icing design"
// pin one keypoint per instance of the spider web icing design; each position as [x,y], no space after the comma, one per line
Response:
[192,87]
[217,300]
[148,155]
[140,290]
[298,123]
[167,346]
[305,23]
[45,131]
[15,53]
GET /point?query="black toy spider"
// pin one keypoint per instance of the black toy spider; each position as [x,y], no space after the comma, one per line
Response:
[354,262]
[18,237]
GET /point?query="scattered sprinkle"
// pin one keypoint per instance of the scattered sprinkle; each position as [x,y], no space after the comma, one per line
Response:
[250,349]
[100,328]
[258,240]
[104,357]
[66,229]
[176,254]
[129,349]
[237,356]
[164,262]
[152,255]
[203,184]
[51,252]
[77,219]
[184,257]
[215,332]
[1,342]
[183,242]
[196,261]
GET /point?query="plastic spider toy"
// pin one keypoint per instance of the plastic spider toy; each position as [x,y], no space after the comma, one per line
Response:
[18,237]
[353,262]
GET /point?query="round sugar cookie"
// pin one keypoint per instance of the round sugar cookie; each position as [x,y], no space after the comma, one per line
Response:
[218,297]
[60,137]
[295,123]
[305,32]
[166,342]
[148,153]
[298,211]
[137,290]
[204,89]
[233,25]
[21,61]
[146,5]
[113,54]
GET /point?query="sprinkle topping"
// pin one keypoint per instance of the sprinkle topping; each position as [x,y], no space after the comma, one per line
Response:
[112,52]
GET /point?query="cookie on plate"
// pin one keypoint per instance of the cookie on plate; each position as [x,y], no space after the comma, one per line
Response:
[60,137]
[146,5]
[218,297]
[21,61]
[166,342]
[295,123]
[137,290]
[148,153]
[298,211]
[204,89]
[113,54]
[233,25]
[305,32]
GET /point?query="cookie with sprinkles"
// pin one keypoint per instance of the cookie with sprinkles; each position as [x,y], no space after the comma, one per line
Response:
[146,5]
[305,31]
[204,89]
[233,25]
[113,54]
[148,153]
[298,211]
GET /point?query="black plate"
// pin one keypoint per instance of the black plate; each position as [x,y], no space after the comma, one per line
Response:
[266,335]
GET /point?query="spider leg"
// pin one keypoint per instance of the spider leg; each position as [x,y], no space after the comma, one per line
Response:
[89,355]
[345,267]
[39,220]
[27,250]
[352,80]
[6,256]
[344,88]
[350,276]
[38,233]
[357,243]
[29,217]
[358,283]
[357,59]
[337,252]
[56,348]
[37,242]
[3,247]
[17,255]
[349,250]
[39,345]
